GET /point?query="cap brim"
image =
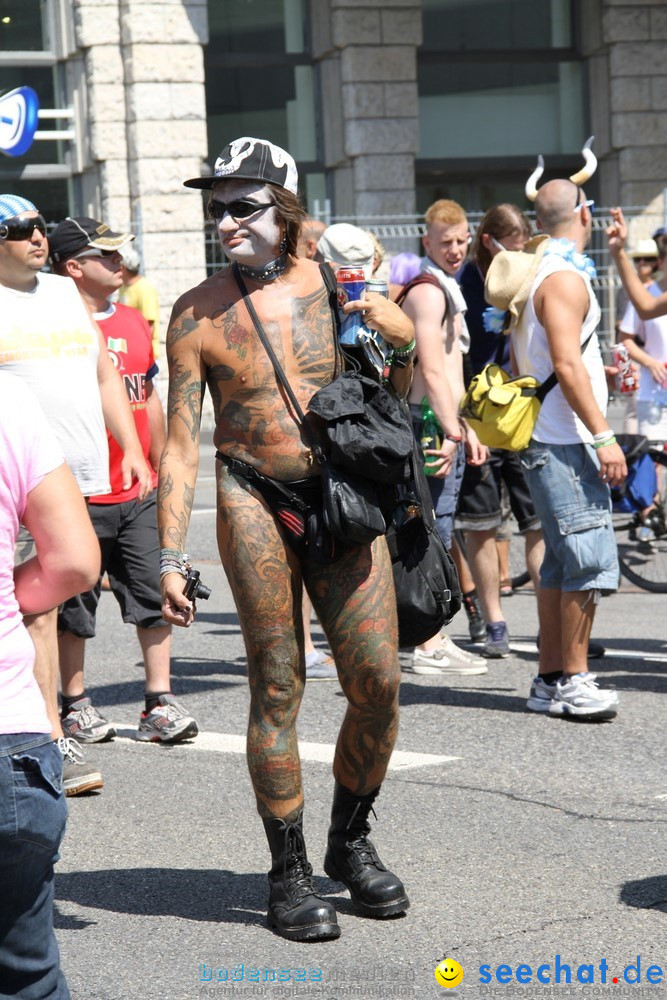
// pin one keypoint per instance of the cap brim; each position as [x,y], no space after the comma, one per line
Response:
[111,241]
[202,183]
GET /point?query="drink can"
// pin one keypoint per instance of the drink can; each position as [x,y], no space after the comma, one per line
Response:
[625,380]
[351,287]
[378,285]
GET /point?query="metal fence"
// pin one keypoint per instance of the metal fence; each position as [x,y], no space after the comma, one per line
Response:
[400,233]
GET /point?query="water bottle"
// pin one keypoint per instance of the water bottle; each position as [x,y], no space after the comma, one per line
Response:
[431,435]
[658,404]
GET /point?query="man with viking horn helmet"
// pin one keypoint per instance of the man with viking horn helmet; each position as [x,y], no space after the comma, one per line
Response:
[573,457]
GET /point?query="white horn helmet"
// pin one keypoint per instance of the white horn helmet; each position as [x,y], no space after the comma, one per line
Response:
[590,164]
[583,175]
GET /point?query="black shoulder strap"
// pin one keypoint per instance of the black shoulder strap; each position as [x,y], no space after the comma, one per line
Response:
[550,382]
[277,367]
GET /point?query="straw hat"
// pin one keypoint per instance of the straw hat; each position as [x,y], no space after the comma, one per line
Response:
[511,274]
[644,248]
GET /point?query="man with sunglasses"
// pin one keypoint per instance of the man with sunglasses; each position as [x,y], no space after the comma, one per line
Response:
[264,455]
[125,523]
[573,457]
[49,339]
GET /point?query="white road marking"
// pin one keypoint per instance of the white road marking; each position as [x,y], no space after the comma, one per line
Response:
[610,654]
[318,753]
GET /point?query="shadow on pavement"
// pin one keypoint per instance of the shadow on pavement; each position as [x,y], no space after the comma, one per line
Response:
[494,700]
[209,895]
[646,893]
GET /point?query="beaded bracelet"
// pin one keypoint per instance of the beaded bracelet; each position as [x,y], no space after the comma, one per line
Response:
[173,561]
[408,349]
[603,444]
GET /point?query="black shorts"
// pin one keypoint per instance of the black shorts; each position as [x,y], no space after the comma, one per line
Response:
[127,533]
[480,506]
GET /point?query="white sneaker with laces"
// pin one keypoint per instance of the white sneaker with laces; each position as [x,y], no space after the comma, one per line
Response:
[440,662]
[456,655]
[578,696]
[541,695]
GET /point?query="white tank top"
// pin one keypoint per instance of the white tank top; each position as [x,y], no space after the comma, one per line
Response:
[557,422]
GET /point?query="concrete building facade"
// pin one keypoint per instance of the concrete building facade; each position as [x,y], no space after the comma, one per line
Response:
[385,104]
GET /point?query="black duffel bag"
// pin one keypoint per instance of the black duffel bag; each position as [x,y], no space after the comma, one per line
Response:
[428,594]
[367,427]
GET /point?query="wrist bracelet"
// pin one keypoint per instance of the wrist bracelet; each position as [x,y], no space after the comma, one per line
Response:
[408,349]
[603,444]
[603,435]
[452,437]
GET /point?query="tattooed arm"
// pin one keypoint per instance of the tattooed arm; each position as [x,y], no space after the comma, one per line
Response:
[180,457]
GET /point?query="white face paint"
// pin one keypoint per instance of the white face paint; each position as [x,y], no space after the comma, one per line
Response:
[254,240]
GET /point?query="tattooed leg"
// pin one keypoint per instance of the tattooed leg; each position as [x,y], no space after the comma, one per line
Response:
[265,579]
[354,600]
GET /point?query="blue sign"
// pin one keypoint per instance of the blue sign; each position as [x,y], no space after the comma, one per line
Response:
[18,120]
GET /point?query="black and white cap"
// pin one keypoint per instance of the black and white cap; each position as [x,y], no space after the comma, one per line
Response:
[253,160]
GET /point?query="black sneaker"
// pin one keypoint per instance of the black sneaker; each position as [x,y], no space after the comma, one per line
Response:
[476,625]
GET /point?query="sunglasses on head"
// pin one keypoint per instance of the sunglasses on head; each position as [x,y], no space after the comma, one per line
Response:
[239,209]
[22,229]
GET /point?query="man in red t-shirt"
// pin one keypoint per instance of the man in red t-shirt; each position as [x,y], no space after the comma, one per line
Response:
[126,526]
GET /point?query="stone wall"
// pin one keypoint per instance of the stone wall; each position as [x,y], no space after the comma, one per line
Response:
[137,77]
[366,51]
[626,43]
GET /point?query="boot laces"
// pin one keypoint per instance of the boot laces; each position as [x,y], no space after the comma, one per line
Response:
[363,848]
[297,870]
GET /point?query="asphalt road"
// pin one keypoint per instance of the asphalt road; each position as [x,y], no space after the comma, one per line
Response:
[519,837]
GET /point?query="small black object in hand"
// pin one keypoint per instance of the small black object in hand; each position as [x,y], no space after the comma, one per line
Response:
[194,588]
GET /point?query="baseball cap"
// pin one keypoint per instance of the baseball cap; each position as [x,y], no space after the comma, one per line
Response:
[344,243]
[75,234]
[254,160]
[130,258]
[660,231]
[12,205]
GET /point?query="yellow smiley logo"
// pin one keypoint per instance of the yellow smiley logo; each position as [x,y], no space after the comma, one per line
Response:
[449,973]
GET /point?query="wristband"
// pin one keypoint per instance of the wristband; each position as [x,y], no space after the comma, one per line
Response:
[408,349]
[603,435]
[603,444]
[452,437]
[173,561]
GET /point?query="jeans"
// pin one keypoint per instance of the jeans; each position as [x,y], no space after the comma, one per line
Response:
[444,490]
[33,814]
[574,506]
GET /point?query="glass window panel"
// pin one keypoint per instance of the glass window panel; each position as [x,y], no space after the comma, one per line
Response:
[240,26]
[465,25]
[23,26]
[513,110]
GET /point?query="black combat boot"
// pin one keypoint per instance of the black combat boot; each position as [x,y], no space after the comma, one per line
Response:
[351,857]
[295,909]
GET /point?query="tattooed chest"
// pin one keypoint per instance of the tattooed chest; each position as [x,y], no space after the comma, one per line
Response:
[239,371]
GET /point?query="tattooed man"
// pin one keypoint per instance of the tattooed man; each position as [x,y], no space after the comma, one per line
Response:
[267,495]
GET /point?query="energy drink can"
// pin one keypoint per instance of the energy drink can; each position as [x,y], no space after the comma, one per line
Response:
[351,287]
[625,380]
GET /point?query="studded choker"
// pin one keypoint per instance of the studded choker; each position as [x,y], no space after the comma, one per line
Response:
[267,273]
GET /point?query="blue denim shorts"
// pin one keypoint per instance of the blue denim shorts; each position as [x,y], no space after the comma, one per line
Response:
[574,506]
[444,490]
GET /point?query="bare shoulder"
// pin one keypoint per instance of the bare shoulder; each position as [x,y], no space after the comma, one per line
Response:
[194,309]
[424,299]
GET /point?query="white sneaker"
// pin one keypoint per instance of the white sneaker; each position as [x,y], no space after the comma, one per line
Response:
[439,662]
[541,695]
[456,655]
[578,695]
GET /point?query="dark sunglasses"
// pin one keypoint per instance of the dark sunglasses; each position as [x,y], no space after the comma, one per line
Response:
[22,229]
[240,209]
[646,260]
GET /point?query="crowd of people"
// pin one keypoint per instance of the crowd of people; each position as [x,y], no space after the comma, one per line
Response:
[81,366]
